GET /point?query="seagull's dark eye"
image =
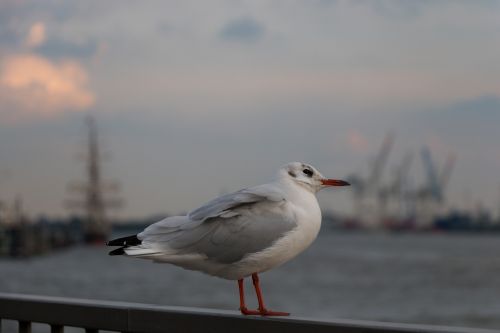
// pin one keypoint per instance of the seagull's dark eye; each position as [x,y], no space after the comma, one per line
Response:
[307,172]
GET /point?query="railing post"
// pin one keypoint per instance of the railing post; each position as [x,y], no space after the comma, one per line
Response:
[56,329]
[24,326]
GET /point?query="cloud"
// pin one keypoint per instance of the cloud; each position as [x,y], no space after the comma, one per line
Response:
[468,120]
[402,9]
[36,35]
[57,48]
[356,141]
[244,29]
[33,85]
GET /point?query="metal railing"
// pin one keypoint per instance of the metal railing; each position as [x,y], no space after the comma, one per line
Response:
[93,315]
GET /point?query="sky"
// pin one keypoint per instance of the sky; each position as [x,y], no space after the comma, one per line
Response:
[197,98]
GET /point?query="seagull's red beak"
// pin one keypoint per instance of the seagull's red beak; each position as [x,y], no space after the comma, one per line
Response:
[334,182]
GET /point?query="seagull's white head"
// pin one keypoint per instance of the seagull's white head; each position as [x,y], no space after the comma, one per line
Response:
[307,176]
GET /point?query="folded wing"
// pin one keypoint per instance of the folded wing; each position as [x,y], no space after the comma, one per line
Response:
[224,230]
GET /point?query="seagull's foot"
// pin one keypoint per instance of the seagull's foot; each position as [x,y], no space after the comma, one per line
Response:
[266,312]
[247,312]
[262,312]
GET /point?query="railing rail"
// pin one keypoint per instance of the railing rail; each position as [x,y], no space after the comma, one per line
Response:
[93,315]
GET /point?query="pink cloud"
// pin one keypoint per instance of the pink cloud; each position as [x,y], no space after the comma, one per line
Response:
[36,35]
[33,85]
[437,145]
[356,141]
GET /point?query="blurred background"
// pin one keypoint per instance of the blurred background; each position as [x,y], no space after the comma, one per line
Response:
[114,115]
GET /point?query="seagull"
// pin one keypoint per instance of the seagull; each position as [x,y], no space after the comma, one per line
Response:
[239,234]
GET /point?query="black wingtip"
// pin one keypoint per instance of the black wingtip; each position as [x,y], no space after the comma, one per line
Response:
[117,252]
[124,241]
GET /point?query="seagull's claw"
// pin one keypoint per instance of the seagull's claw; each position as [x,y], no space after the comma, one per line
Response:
[247,312]
[266,312]
[262,312]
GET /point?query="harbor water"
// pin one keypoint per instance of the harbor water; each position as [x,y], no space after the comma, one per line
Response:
[447,279]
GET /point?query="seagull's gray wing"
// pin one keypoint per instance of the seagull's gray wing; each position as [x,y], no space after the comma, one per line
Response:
[227,228]
[221,205]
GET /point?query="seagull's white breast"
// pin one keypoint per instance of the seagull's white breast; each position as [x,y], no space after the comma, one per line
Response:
[304,207]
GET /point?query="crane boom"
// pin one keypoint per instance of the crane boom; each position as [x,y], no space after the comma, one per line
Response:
[381,160]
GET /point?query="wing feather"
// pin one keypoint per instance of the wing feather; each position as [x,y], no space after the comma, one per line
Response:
[225,229]
[224,204]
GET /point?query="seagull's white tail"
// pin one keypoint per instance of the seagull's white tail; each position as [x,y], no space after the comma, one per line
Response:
[138,251]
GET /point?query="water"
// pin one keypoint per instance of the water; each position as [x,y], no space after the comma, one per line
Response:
[416,278]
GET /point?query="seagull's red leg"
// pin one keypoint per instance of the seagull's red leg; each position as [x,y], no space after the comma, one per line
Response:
[243,307]
[262,308]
